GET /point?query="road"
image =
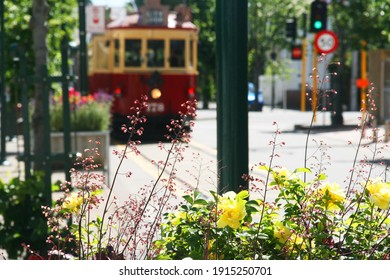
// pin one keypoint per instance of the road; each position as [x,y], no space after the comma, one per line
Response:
[332,151]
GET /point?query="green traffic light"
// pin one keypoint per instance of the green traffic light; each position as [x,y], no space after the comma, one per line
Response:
[317,24]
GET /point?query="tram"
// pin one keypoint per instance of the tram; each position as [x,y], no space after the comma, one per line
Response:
[152,52]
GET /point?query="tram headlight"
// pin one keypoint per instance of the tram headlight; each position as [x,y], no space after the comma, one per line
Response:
[155,93]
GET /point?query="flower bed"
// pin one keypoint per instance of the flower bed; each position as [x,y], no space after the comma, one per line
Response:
[88,113]
[307,220]
[90,119]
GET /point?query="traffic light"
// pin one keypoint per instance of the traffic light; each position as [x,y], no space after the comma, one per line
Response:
[296,52]
[291,28]
[318,14]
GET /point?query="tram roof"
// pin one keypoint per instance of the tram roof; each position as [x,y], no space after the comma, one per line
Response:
[133,20]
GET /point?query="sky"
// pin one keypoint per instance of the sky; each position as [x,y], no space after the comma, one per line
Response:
[110,3]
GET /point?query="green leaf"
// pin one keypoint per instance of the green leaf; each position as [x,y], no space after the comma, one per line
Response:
[196,194]
[189,199]
[322,176]
[200,202]
[303,170]
[262,236]
[242,195]
[264,167]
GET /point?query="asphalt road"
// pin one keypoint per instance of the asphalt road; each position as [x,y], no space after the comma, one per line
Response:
[331,150]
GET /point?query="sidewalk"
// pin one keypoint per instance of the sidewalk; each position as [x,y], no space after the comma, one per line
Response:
[11,167]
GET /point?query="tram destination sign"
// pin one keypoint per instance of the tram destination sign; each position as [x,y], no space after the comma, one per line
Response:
[153,13]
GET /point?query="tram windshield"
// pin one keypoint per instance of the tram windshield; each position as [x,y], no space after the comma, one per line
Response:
[123,51]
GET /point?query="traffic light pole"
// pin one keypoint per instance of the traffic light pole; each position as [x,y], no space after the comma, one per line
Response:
[363,67]
[315,84]
[232,104]
[303,75]
[303,78]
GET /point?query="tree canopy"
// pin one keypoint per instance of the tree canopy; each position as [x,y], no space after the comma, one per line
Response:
[62,20]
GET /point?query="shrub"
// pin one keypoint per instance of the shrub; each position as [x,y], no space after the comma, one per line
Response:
[21,217]
[314,220]
[88,113]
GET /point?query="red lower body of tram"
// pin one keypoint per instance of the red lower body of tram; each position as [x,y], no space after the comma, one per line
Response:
[166,93]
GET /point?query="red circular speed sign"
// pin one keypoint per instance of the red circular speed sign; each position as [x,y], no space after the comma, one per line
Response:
[326,41]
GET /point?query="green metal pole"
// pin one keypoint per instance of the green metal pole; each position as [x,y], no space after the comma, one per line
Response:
[46,137]
[83,50]
[66,107]
[232,82]
[2,88]
[25,112]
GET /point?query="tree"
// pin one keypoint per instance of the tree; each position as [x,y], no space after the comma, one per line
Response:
[359,20]
[205,21]
[37,27]
[267,20]
[40,11]
[358,23]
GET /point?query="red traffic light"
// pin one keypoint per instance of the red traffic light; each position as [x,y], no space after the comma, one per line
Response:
[296,52]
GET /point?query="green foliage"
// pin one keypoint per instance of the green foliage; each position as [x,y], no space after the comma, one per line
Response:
[362,20]
[313,220]
[21,218]
[194,231]
[267,21]
[17,15]
[205,21]
[89,113]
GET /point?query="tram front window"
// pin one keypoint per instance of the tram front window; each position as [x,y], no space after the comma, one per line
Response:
[155,53]
[132,53]
[177,53]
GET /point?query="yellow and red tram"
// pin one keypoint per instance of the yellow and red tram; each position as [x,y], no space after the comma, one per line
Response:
[153,54]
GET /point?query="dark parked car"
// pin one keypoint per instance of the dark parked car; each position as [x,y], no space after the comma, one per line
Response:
[252,98]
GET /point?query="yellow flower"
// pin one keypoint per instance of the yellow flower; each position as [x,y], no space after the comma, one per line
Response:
[286,237]
[73,202]
[233,209]
[379,193]
[297,240]
[332,193]
[281,175]
[178,217]
[281,232]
